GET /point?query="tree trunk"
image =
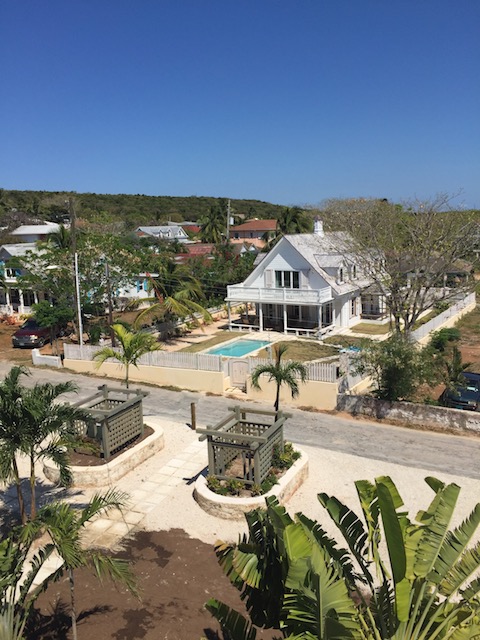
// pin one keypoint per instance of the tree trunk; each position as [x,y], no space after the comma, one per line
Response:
[73,614]
[33,497]
[126,375]
[21,501]
[277,398]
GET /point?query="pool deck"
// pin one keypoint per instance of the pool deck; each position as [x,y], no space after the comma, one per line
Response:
[197,336]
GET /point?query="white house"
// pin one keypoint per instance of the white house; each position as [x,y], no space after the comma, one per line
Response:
[13,299]
[306,284]
[34,232]
[165,232]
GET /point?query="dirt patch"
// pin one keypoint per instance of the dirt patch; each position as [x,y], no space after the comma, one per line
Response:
[84,459]
[176,575]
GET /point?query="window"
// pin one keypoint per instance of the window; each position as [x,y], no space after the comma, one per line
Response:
[353,308]
[287,279]
[340,274]
[354,271]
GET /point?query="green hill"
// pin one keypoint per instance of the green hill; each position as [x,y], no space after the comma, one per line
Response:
[129,209]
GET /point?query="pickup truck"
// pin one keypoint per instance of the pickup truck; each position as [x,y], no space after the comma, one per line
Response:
[464,396]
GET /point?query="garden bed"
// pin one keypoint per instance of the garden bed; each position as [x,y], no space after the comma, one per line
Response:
[228,507]
[94,458]
[105,474]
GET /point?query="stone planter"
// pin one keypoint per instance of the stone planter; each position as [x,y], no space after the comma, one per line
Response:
[229,507]
[105,474]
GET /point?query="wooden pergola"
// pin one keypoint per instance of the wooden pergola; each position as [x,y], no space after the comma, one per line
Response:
[248,434]
[117,417]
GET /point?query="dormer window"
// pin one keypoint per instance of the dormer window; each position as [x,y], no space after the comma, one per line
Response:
[340,275]
[354,271]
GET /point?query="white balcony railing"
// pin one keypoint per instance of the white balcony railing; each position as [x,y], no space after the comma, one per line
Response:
[236,293]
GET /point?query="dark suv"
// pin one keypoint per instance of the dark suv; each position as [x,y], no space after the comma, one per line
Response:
[465,396]
[31,334]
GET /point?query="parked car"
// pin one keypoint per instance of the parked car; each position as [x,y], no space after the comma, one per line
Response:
[465,396]
[31,334]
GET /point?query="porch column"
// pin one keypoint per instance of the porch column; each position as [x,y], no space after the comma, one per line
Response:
[284,318]
[21,307]
[320,316]
[35,297]
[7,297]
[229,311]
[260,316]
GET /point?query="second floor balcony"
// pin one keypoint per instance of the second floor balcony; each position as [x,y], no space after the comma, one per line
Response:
[238,293]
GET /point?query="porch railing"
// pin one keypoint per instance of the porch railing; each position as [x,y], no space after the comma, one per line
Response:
[279,296]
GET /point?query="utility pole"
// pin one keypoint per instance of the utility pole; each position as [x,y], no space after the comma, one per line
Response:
[110,306]
[228,221]
[73,235]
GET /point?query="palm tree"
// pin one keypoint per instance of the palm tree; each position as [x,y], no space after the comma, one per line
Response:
[64,525]
[293,220]
[281,373]
[214,225]
[35,424]
[177,293]
[133,345]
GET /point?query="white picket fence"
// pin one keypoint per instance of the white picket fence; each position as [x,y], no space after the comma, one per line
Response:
[197,361]
[317,371]
[437,321]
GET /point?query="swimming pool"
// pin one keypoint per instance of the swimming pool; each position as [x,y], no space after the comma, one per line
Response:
[238,348]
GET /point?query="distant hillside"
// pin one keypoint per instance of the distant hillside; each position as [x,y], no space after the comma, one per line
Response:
[129,209]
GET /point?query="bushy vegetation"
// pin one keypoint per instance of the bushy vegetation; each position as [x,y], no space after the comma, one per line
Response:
[391,577]
[131,210]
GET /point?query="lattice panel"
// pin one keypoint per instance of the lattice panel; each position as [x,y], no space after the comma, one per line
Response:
[122,428]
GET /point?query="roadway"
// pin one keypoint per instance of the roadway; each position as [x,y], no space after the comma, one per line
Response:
[440,453]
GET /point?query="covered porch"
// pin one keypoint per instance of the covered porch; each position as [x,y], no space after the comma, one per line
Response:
[288,319]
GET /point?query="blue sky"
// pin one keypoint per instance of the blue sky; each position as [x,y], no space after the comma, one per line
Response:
[288,101]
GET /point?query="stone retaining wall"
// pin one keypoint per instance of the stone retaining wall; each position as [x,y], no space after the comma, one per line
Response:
[228,507]
[106,474]
[421,415]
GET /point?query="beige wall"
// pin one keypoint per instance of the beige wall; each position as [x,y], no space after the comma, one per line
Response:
[208,381]
[321,395]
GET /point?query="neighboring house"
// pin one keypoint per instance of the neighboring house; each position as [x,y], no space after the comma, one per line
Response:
[256,232]
[34,232]
[204,250]
[306,284]
[164,232]
[140,290]
[14,299]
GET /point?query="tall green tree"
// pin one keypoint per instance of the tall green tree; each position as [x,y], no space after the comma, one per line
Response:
[132,346]
[397,367]
[54,317]
[287,374]
[407,251]
[34,423]
[64,525]
[214,225]
[177,294]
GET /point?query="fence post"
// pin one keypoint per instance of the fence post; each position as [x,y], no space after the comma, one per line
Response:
[193,411]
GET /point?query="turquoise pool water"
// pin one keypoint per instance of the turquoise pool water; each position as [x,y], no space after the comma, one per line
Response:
[238,348]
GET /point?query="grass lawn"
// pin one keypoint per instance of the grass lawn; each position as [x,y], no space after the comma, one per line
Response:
[347,341]
[303,350]
[469,325]
[371,329]
[221,336]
